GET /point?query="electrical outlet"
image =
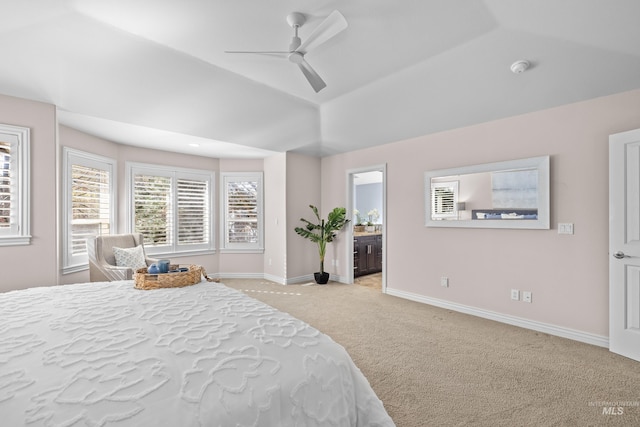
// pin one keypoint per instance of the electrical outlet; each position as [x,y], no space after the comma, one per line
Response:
[515,294]
[444,282]
[526,296]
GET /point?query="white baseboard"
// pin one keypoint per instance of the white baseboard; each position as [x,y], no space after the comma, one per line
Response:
[281,280]
[310,278]
[546,328]
[237,275]
[299,279]
[277,279]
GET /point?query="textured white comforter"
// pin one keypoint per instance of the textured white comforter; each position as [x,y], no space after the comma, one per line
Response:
[109,354]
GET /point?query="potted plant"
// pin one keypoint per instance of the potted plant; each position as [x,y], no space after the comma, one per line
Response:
[373,216]
[358,226]
[322,233]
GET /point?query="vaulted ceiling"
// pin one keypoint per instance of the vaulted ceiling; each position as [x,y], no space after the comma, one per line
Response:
[155,73]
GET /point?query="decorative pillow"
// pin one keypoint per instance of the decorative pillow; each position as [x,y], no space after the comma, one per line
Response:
[130,257]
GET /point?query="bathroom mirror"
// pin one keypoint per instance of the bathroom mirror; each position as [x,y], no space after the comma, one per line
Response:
[510,194]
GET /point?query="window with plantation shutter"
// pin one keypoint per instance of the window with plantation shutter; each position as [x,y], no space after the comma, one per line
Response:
[14,186]
[152,207]
[193,211]
[89,194]
[444,196]
[242,211]
[171,208]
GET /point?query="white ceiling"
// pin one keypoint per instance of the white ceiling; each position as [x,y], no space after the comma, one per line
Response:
[154,72]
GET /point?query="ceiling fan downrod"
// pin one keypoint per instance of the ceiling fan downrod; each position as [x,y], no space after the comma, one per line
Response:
[295,21]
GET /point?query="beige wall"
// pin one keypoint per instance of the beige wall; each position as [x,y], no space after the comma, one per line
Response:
[303,189]
[568,274]
[34,264]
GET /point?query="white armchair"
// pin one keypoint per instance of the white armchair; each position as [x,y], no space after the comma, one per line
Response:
[102,261]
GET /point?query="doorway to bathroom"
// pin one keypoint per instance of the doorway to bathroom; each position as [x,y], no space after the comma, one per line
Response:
[367,209]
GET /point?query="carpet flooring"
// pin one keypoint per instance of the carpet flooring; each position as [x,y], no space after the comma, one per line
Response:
[435,367]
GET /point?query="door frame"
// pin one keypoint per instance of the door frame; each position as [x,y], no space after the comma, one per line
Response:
[349,204]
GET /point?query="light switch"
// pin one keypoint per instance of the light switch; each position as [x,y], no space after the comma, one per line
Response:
[565,228]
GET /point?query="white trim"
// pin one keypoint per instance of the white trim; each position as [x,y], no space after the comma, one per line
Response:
[276,279]
[300,279]
[237,275]
[542,164]
[70,157]
[15,240]
[311,278]
[75,268]
[174,173]
[226,247]
[20,140]
[585,337]
[348,245]
[241,251]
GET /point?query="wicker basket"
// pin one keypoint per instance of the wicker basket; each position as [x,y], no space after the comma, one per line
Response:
[144,280]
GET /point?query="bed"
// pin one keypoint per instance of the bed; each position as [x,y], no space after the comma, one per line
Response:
[204,355]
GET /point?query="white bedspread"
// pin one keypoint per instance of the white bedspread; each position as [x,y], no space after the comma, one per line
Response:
[108,354]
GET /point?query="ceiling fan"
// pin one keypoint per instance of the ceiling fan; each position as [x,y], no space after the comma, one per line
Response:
[330,27]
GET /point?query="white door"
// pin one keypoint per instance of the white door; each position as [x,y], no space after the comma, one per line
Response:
[624,244]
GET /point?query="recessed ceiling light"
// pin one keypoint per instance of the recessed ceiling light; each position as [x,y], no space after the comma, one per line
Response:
[520,66]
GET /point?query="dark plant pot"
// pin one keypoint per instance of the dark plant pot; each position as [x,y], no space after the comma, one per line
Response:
[321,278]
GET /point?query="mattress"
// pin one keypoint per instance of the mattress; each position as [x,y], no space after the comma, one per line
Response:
[107,354]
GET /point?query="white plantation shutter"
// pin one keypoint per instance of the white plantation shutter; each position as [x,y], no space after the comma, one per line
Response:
[171,208]
[193,211]
[242,211]
[6,189]
[153,209]
[89,204]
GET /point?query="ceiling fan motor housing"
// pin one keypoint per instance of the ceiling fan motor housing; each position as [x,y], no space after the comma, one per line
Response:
[296,57]
[296,19]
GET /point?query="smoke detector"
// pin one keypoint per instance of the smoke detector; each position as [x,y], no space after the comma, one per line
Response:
[520,66]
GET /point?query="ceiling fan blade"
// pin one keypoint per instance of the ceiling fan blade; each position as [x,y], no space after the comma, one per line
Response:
[314,79]
[330,27]
[280,53]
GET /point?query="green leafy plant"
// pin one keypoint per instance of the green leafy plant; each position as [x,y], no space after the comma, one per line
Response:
[323,232]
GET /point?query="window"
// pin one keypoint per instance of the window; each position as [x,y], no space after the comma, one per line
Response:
[171,208]
[89,204]
[14,186]
[242,212]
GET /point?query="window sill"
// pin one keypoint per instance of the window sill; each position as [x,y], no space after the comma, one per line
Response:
[242,251]
[15,240]
[75,268]
[178,254]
